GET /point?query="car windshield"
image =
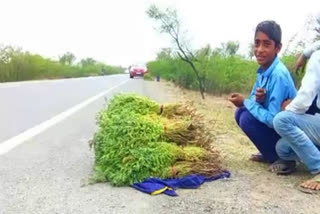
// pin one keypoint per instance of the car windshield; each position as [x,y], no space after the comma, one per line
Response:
[139,66]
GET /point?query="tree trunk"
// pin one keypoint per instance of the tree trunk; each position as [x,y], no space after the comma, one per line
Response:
[201,87]
[187,60]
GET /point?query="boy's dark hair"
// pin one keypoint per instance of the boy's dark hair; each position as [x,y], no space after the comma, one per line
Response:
[271,29]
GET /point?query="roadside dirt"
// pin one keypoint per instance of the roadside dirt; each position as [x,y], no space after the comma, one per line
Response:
[252,188]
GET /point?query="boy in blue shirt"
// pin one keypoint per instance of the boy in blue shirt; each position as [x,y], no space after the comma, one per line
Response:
[273,86]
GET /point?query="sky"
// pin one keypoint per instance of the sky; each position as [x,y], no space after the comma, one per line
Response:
[119,32]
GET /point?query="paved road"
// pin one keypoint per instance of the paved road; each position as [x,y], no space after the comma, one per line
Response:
[44,174]
[26,104]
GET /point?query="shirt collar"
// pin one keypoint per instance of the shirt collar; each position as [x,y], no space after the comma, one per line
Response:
[266,73]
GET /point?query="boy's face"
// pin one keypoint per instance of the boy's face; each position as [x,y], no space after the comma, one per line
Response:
[265,49]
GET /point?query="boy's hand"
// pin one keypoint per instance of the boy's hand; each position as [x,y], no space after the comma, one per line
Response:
[300,62]
[284,104]
[260,95]
[236,99]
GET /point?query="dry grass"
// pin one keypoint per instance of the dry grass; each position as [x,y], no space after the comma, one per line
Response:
[234,147]
[232,144]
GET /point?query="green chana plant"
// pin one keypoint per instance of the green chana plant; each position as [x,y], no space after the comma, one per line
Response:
[134,141]
[133,103]
[148,77]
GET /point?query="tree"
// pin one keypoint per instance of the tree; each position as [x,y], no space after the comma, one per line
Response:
[230,48]
[203,56]
[217,52]
[171,25]
[251,50]
[87,62]
[8,52]
[165,53]
[309,33]
[204,52]
[67,58]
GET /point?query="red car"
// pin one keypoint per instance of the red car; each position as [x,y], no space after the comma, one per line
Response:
[137,71]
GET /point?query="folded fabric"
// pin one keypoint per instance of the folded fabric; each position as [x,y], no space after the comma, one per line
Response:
[155,186]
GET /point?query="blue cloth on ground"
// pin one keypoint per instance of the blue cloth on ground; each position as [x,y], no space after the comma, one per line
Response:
[156,186]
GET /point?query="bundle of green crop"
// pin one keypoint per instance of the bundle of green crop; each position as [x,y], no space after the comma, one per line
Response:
[138,138]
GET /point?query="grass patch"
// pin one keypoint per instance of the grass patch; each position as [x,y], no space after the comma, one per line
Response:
[233,145]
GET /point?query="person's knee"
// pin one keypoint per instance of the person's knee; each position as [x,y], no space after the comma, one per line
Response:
[281,121]
[237,115]
[281,146]
[247,120]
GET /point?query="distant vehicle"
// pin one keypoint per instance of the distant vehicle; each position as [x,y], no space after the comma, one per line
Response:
[137,70]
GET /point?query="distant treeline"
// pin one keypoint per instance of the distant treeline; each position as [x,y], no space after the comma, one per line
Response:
[222,70]
[18,65]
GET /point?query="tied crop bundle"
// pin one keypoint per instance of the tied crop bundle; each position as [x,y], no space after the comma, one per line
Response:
[127,148]
[134,103]
[138,139]
[183,125]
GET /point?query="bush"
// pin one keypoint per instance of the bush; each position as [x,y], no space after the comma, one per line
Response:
[290,61]
[220,74]
[148,77]
[16,65]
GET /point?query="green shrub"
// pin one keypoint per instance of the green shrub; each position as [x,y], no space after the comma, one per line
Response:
[220,74]
[147,76]
[16,65]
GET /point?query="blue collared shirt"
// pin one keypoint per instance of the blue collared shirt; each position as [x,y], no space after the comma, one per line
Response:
[279,86]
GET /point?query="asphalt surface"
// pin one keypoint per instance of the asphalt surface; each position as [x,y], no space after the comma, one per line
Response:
[26,104]
[47,173]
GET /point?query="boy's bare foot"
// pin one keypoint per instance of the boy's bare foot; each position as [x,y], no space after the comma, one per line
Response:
[312,184]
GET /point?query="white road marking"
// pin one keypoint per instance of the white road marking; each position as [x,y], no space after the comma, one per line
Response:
[13,142]
[10,86]
[53,81]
